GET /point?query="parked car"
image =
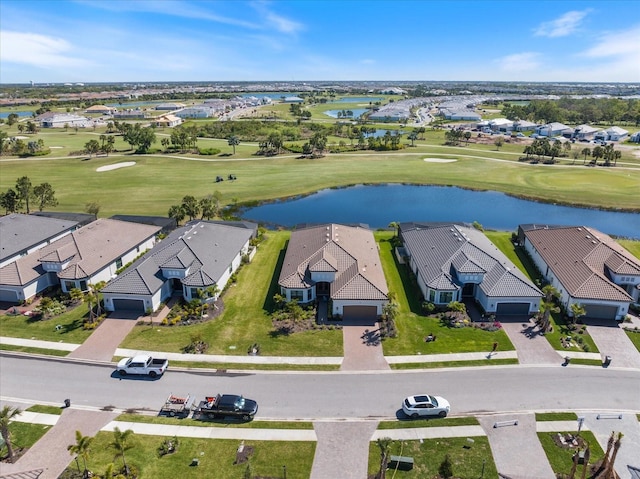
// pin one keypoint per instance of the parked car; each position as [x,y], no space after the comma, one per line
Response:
[425,405]
[222,405]
[143,364]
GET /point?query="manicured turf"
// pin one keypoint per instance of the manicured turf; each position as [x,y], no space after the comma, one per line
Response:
[634,336]
[256,424]
[425,422]
[556,416]
[24,435]
[428,455]
[560,459]
[45,409]
[216,458]
[456,364]
[71,330]
[27,349]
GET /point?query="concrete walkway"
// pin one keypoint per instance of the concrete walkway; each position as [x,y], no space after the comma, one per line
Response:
[50,452]
[516,449]
[102,343]
[342,450]
[532,347]
[629,452]
[613,341]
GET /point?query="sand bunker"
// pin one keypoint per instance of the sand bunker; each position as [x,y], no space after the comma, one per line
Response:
[56,147]
[438,160]
[116,166]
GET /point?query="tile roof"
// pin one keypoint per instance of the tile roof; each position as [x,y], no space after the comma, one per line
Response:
[20,232]
[89,249]
[441,249]
[206,248]
[350,252]
[580,257]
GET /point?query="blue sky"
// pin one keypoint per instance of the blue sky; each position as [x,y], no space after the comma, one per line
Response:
[297,40]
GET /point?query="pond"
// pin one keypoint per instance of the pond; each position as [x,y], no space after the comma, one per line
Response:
[274,96]
[357,113]
[358,99]
[377,206]
[21,114]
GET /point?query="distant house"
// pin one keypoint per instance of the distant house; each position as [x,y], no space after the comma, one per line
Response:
[585,132]
[199,111]
[452,262]
[586,266]
[293,99]
[101,109]
[615,133]
[191,259]
[455,115]
[21,235]
[86,256]
[170,106]
[338,263]
[167,121]
[524,125]
[635,138]
[501,125]
[136,114]
[65,120]
[553,129]
[390,113]
[393,91]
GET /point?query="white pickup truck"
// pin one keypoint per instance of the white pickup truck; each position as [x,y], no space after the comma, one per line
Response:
[143,364]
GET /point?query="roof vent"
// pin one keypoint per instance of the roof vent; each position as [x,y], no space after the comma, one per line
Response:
[588,237]
[594,242]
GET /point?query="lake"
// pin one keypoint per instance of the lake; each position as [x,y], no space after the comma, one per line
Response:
[358,99]
[21,114]
[377,206]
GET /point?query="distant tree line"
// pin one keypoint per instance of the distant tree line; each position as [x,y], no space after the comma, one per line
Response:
[24,195]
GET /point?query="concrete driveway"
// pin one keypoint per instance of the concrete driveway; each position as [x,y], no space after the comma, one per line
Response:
[102,343]
[611,340]
[532,347]
[362,348]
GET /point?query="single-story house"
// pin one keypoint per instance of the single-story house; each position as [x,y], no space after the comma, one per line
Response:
[167,225]
[192,259]
[335,262]
[524,125]
[131,114]
[584,132]
[455,115]
[501,124]
[615,133]
[199,111]
[390,113]
[88,255]
[64,120]
[394,90]
[21,235]
[453,262]
[586,266]
[170,106]
[553,129]
[168,121]
[635,138]
[101,109]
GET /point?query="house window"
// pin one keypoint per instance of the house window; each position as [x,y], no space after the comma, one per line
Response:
[231,269]
[119,263]
[297,294]
[432,296]
[69,285]
[446,296]
[308,295]
[83,286]
[193,292]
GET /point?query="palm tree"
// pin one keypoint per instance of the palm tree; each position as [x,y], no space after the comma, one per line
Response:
[413,136]
[233,142]
[6,415]
[395,225]
[121,445]
[577,310]
[586,152]
[384,443]
[547,306]
[81,448]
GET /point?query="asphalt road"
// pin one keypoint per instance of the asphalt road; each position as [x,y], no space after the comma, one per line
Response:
[331,395]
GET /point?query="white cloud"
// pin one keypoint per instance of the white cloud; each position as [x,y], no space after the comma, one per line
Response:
[562,26]
[519,62]
[275,21]
[38,50]
[367,61]
[619,43]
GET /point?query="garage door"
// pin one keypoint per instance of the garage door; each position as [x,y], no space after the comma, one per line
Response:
[600,311]
[128,305]
[512,309]
[359,312]
[8,295]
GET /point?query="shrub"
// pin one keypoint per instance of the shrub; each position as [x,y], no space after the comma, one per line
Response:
[208,151]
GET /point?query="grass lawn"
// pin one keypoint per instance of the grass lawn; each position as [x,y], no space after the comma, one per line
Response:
[71,331]
[245,320]
[428,455]
[216,458]
[561,330]
[560,458]
[413,327]
[214,423]
[426,422]
[455,364]
[45,409]
[556,416]
[24,434]
[26,349]
[632,246]
[634,336]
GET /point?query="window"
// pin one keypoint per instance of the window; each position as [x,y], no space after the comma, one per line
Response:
[297,294]
[83,285]
[309,295]
[119,263]
[231,269]
[193,292]
[69,285]
[446,297]
[432,296]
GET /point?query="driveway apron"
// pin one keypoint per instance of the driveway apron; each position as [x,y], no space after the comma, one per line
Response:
[532,347]
[362,348]
[628,457]
[516,449]
[50,452]
[102,343]
[613,341]
[342,450]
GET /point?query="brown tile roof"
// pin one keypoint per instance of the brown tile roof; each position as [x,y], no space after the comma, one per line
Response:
[89,250]
[580,256]
[351,252]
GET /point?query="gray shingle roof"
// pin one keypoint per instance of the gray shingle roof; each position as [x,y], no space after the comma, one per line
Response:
[439,250]
[579,257]
[206,248]
[19,232]
[351,252]
[89,250]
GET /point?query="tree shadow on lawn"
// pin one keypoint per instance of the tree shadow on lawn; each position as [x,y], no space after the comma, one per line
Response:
[269,304]
[409,285]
